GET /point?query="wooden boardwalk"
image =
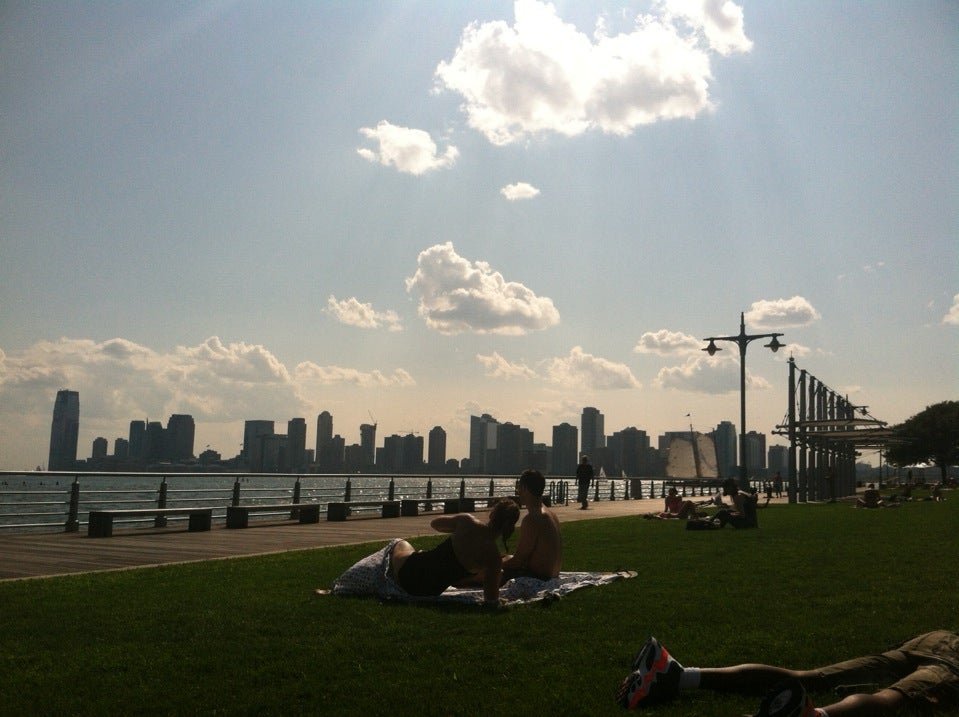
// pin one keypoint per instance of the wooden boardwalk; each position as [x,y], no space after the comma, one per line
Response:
[43,554]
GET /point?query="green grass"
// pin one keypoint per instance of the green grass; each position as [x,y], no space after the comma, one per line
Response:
[815,584]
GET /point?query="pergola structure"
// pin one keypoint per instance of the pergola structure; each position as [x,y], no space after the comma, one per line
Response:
[826,432]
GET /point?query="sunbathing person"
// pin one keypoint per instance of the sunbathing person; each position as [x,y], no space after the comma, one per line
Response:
[921,674]
[675,507]
[470,549]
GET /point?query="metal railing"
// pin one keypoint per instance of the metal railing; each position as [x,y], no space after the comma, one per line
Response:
[65,508]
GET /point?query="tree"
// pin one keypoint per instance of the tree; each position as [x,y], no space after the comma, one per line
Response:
[931,436]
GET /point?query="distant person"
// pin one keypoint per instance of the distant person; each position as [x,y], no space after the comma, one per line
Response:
[539,552]
[920,675]
[584,476]
[778,484]
[470,550]
[871,498]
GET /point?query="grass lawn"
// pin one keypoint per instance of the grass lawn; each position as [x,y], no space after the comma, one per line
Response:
[814,584]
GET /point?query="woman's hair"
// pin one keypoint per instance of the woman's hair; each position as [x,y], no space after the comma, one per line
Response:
[502,518]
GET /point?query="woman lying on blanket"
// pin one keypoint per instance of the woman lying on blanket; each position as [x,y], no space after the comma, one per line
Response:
[470,549]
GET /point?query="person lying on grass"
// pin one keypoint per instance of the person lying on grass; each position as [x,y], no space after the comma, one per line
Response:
[921,674]
[471,549]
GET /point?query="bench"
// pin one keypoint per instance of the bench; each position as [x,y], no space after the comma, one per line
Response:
[341,510]
[238,516]
[411,506]
[100,524]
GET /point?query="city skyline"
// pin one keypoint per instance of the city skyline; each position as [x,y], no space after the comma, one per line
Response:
[409,214]
[495,447]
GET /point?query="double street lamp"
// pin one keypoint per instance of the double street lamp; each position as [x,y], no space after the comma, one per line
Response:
[742,341]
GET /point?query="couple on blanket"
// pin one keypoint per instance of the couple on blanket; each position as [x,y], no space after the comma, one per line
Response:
[470,555]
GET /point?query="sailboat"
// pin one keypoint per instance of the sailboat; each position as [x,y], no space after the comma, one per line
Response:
[692,456]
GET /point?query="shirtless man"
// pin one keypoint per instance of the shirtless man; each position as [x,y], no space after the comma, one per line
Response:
[539,553]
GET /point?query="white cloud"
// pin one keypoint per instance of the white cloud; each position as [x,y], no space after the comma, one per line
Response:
[519,190]
[352,312]
[309,372]
[781,313]
[952,316]
[720,22]
[496,366]
[412,151]
[457,295]
[541,74]
[583,370]
[118,379]
[706,374]
[667,343]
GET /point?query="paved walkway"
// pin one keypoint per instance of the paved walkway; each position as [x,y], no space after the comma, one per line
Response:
[32,555]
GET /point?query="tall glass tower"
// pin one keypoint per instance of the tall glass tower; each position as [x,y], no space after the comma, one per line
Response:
[64,431]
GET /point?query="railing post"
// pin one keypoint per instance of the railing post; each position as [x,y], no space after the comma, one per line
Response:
[392,490]
[349,491]
[612,490]
[462,487]
[626,489]
[73,514]
[236,492]
[160,520]
[429,493]
[492,488]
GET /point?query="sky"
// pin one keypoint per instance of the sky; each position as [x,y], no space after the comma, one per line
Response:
[412,212]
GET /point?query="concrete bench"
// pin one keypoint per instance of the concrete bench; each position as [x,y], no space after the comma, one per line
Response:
[411,506]
[238,516]
[341,510]
[100,524]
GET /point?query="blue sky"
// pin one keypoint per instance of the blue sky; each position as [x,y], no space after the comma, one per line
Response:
[422,211]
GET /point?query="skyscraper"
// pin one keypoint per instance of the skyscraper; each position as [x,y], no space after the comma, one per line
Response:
[296,444]
[483,433]
[180,434]
[64,431]
[437,449]
[368,442]
[565,440]
[593,428]
[725,438]
[324,432]
[253,444]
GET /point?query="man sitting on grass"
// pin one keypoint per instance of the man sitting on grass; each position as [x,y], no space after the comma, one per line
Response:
[920,674]
[539,552]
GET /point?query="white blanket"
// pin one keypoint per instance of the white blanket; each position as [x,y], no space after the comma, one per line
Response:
[371,576]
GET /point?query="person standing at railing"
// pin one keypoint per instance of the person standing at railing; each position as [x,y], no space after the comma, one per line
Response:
[584,476]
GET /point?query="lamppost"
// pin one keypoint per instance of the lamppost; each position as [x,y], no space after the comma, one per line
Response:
[743,341]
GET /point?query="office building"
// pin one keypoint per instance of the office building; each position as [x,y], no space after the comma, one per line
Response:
[296,444]
[253,431]
[724,435]
[180,432]
[368,443]
[593,431]
[565,453]
[324,433]
[64,431]
[437,450]
[483,435]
